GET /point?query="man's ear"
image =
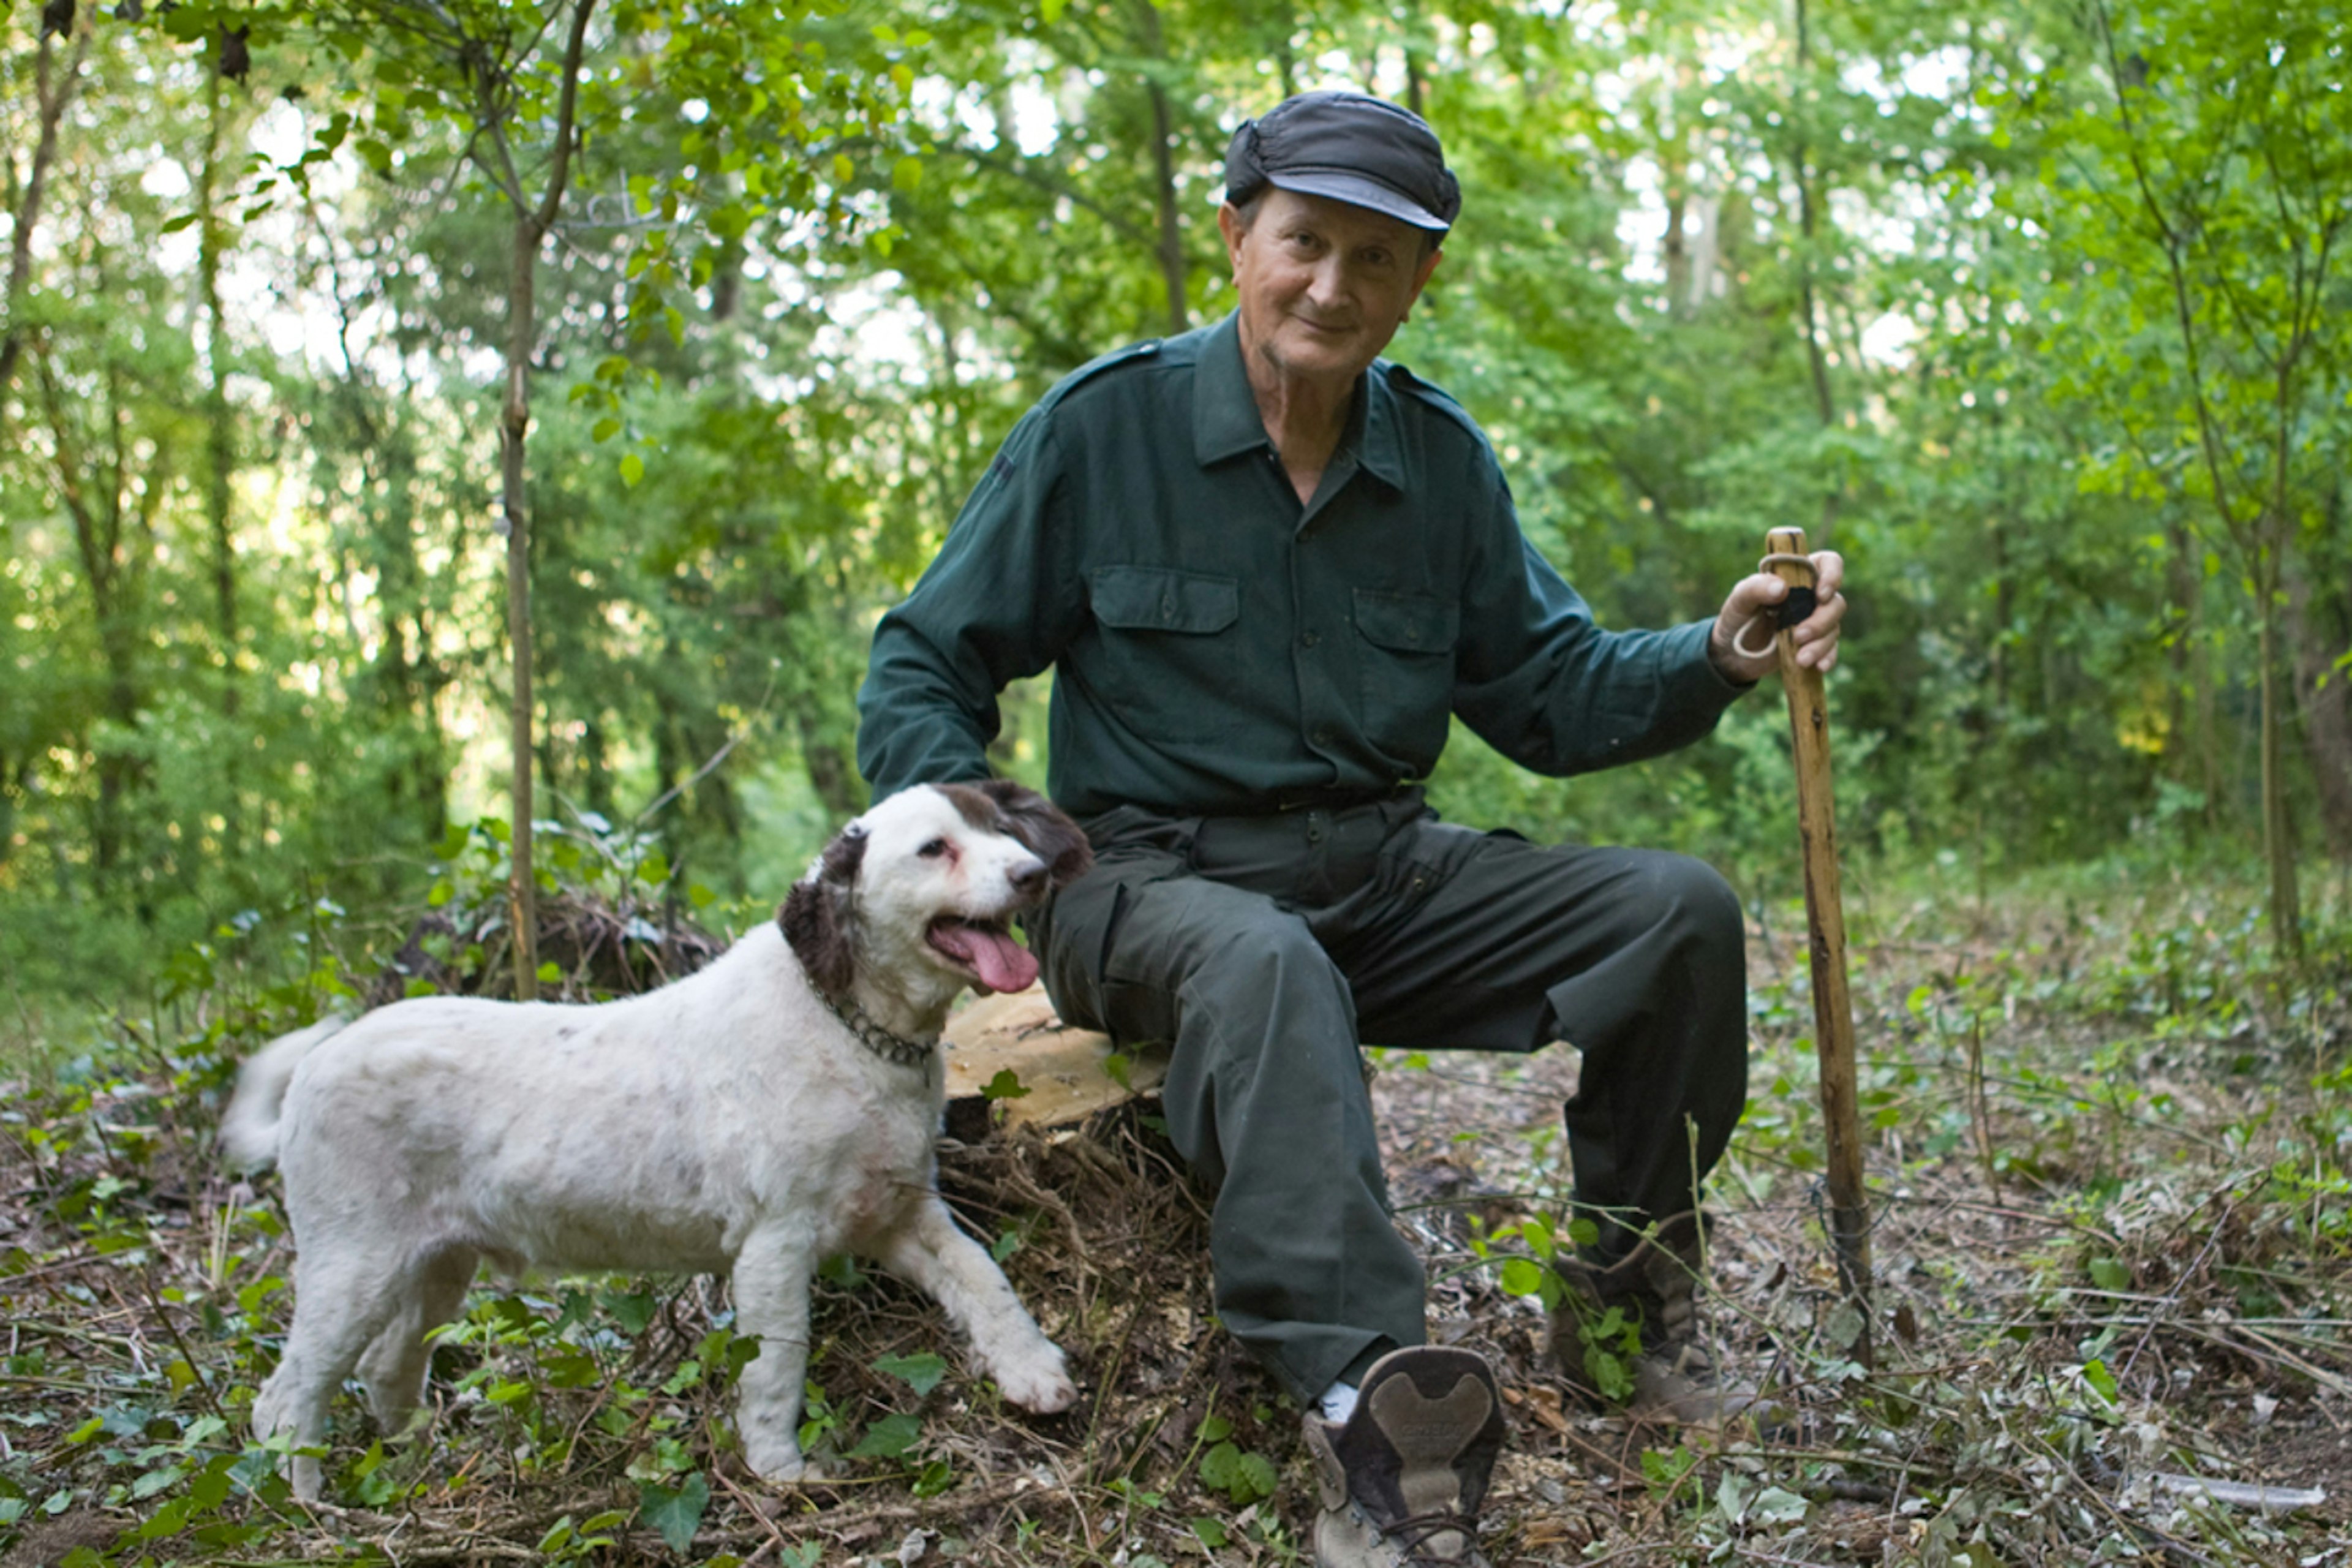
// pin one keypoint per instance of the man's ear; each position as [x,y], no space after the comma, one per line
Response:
[1426,269]
[819,915]
[1043,827]
[1229,224]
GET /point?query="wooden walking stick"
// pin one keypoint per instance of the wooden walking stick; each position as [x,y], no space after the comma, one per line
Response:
[1808,719]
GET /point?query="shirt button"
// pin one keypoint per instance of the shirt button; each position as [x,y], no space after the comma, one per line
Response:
[1308,639]
[1321,737]
[1167,608]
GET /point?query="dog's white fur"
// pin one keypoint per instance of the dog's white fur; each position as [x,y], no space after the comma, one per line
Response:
[729,1121]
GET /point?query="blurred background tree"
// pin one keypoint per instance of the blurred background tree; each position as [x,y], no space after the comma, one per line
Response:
[2032,310]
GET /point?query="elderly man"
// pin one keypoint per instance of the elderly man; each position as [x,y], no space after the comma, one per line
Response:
[1266,567]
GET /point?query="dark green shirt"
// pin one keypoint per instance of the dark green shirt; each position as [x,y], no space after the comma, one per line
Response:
[1218,647]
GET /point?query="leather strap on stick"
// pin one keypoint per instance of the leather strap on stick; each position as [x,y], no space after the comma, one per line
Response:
[1808,722]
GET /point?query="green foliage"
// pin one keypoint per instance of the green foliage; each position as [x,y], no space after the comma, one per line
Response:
[675,1511]
[815,262]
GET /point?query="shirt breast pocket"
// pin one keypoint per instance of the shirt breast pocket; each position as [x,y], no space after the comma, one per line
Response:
[1169,654]
[1407,651]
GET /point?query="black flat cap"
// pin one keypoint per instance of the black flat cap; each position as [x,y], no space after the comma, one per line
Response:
[1350,147]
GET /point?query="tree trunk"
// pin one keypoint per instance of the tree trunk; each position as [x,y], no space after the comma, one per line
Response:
[1163,167]
[2324,695]
[98,496]
[51,108]
[1808,224]
[220,464]
[531,226]
[220,447]
[2278,820]
[2190,703]
[514,427]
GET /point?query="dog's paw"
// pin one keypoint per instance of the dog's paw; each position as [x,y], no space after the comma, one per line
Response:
[1037,1380]
[782,1466]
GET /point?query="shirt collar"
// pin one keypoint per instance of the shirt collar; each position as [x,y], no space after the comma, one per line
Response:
[1226,421]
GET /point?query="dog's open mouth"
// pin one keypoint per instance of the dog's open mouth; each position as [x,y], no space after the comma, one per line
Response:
[985,950]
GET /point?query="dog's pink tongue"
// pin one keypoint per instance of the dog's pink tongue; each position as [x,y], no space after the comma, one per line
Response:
[1002,964]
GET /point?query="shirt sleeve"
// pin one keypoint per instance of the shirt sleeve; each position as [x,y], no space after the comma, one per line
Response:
[1544,685]
[996,604]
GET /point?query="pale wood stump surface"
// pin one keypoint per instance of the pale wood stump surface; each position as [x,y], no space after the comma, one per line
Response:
[1064,1068]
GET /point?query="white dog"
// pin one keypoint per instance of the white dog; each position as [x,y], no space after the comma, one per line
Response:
[775,1109]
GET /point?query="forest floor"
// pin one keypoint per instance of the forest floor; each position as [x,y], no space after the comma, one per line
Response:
[2107,1160]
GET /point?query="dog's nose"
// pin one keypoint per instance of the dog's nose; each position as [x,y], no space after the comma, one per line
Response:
[1030,880]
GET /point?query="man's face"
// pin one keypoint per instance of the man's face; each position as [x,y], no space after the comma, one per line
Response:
[1324,284]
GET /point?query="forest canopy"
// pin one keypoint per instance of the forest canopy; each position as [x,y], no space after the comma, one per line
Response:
[2036,312]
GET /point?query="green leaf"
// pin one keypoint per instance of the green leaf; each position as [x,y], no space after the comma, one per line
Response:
[1522,1276]
[1661,1469]
[2109,1275]
[605,429]
[154,1481]
[920,1372]
[633,468]
[1243,1476]
[1608,1373]
[2101,1381]
[1005,1085]
[550,972]
[676,1511]
[888,1437]
[633,1310]
[1210,1533]
[907,174]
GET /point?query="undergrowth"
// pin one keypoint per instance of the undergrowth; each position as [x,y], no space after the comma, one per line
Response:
[2108,1141]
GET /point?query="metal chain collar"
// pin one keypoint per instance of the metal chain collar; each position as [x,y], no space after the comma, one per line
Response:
[890,1047]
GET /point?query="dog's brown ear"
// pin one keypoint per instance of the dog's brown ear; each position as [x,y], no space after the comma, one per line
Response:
[817,917]
[1043,827]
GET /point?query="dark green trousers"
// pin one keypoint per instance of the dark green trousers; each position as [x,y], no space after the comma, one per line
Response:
[1262,950]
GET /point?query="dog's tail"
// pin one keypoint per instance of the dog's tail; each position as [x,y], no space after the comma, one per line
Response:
[248,1129]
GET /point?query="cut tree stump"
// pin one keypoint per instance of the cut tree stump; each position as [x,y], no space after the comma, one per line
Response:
[1066,1071]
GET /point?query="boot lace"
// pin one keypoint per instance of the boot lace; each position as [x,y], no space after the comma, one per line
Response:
[1414,1531]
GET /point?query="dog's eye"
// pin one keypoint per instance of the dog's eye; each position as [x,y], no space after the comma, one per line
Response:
[934,849]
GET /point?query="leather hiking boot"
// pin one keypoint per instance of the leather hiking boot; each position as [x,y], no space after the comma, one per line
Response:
[1650,1359]
[1402,1479]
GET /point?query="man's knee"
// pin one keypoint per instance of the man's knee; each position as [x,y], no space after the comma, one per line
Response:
[1669,947]
[1696,896]
[1266,985]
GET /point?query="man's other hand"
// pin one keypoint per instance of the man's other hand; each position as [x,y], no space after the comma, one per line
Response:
[1760,594]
